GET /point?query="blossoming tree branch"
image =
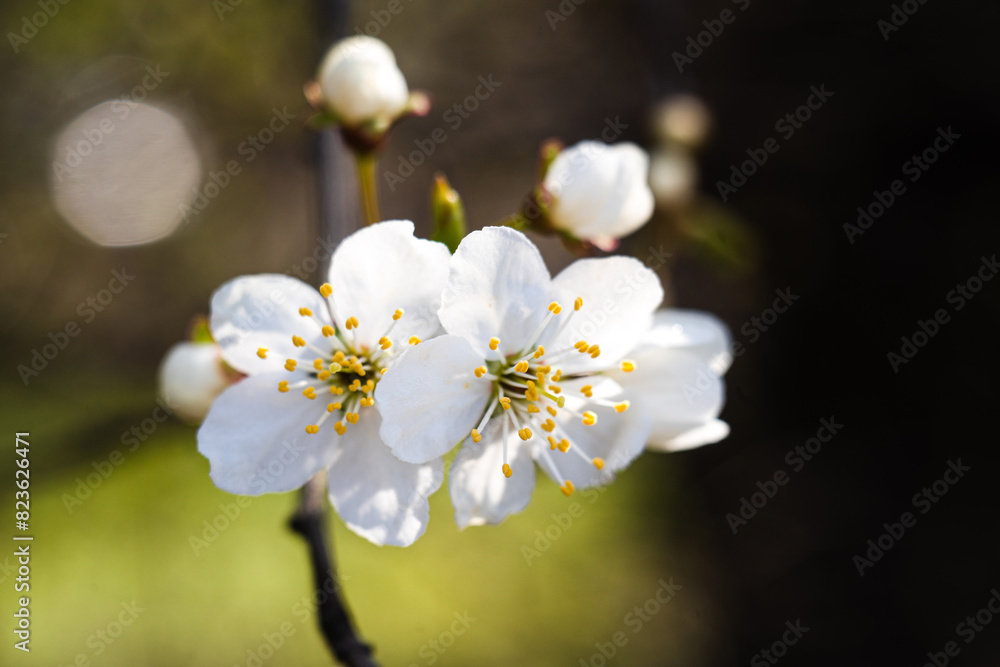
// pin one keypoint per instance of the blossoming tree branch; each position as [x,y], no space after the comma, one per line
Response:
[412,348]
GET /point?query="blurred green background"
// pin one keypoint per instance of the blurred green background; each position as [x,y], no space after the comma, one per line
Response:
[130,540]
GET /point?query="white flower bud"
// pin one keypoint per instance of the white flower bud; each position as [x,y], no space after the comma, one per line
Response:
[361,83]
[191,376]
[599,191]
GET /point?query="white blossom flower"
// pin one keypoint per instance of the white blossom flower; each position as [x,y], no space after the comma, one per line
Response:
[361,83]
[522,374]
[314,359]
[192,375]
[678,379]
[599,192]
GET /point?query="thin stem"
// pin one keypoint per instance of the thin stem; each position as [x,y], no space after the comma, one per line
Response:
[333,615]
[368,180]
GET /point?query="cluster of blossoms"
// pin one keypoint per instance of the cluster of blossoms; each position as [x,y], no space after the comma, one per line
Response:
[393,363]
[413,347]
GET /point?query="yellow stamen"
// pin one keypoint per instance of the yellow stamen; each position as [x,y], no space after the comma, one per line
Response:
[564,445]
[505,402]
[589,418]
[521,367]
[326,290]
[595,352]
[581,345]
[309,392]
[480,371]
[598,463]
[494,343]
[384,343]
[548,425]
[312,429]
[305,312]
[336,390]
[318,364]
[323,375]
[332,407]
[352,323]
[283,386]
[557,375]
[622,407]
[298,341]
[587,390]
[533,409]
[262,352]
[354,386]
[555,389]
[567,488]
[328,330]
[507,472]
[367,402]
[551,410]
[352,417]
[524,433]
[290,365]
[414,340]
[552,442]
[476,437]
[338,356]
[555,308]
[398,314]
[578,304]
[339,428]
[628,365]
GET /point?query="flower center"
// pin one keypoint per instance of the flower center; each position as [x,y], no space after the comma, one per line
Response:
[344,372]
[526,389]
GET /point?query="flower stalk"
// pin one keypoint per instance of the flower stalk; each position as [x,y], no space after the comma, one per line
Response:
[367,178]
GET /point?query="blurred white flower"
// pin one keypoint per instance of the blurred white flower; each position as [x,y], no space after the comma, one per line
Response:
[361,83]
[525,354]
[599,192]
[192,375]
[672,176]
[678,378]
[313,360]
[682,119]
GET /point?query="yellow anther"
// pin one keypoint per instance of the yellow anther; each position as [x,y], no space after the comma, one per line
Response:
[309,392]
[628,365]
[505,403]
[557,375]
[581,345]
[312,429]
[262,352]
[531,395]
[551,410]
[589,418]
[544,369]
[305,312]
[555,308]
[507,472]
[398,314]
[598,463]
[339,428]
[298,341]
[563,445]
[578,304]
[290,365]
[622,407]
[323,375]
[351,323]
[318,364]
[384,343]
[326,289]
[595,351]
[540,376]
[335,367]
[494,343]
[587,390]
[352,417]
[553,443]
[531,384]
[524,433]
[332,407]
[370,386]
[414,340]
[480,371]
[367,402]
[334,389]
[359,370]
[548,425]
[476,437]
[521,367]
[283,386]
[338,356]
[328,330]
[567,488]
[533,409]
[555,389]
[354,386]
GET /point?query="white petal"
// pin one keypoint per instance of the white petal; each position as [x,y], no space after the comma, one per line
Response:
[191,377]
[677,386]
[255,439]
[619,297]
[701,333]
[498,286]
[694,436]
[381,268]
[430,399]
[378,496]
[263,311]
[618,438]
[479,490]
